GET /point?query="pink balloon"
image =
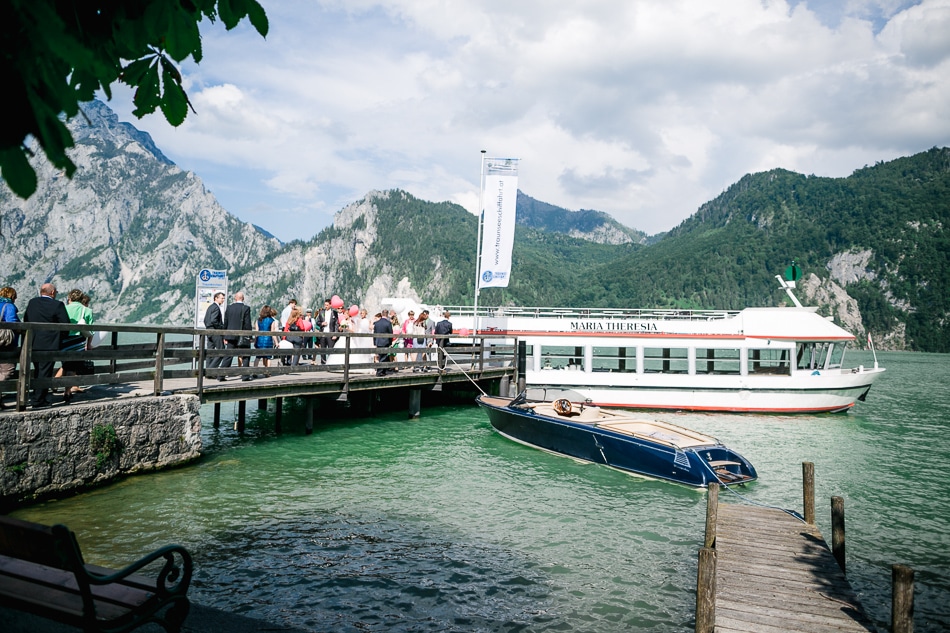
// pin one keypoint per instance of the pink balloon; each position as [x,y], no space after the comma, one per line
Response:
[464,331]
[354,310]
[336,302]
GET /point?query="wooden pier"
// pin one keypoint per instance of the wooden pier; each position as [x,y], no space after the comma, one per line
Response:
[175,361]
[763,570]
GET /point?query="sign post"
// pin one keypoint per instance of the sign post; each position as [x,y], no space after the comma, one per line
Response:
[207,284]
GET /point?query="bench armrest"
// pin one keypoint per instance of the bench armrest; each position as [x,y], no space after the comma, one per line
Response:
[173,578]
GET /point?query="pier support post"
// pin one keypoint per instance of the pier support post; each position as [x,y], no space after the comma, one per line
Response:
[278,415]
[706,591]
[902,599]
[242,416]
[712,515]
[216,420]
[837,531]
[415,403]
[262,404]
[308,422]
[808,491]
[504,387]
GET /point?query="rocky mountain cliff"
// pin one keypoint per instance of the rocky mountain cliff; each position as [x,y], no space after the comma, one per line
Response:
[130,228]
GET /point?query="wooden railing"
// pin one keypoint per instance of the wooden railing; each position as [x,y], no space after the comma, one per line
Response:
[156,354]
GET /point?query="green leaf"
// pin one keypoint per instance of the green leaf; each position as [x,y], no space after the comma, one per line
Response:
[134,73]
[17,171]
[255,13]
[229,14]
[174,102]
[182,37]
[147,96]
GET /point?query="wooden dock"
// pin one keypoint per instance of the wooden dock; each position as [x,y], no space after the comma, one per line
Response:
[766,570]
[775,573]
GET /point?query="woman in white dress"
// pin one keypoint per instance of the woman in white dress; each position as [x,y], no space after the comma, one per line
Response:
[356,324]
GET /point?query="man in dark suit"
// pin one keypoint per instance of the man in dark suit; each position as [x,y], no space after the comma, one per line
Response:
[45,309]
[214,320]
[238,317]
[383,325]
[329,321]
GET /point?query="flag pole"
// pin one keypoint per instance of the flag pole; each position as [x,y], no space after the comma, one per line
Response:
[871,343]
[478,249]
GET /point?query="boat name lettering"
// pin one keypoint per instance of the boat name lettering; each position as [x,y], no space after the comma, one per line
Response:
[612,326]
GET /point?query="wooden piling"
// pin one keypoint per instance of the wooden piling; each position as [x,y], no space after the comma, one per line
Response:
[712,512]
[278,415]
[837,531]
[706,591]
[216,420]
[902,599]
[415,403]
[808,491]
[262,404]
[239,425]
[308,422]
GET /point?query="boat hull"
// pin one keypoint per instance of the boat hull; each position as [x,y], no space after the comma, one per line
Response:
[616,450]
[800,394]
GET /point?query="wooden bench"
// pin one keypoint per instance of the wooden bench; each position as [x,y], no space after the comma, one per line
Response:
[42,571]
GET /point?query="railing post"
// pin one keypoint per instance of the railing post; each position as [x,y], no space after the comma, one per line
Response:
[23,380]
[706,591]
[113,364]
[808,491]
[201,364]
[837,531]
[481,355]
[712,514]
[902,599]
[159,364]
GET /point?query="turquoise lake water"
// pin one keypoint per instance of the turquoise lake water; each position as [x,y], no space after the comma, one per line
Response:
[439,524]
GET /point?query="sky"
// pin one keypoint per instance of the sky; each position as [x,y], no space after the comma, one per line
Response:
[644,109]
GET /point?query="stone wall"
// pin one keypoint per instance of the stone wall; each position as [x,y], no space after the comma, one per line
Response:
[62,449]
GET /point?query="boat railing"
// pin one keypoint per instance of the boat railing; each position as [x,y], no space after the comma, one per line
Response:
[592,313]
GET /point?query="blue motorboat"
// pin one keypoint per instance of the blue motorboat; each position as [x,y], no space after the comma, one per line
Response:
[618,439]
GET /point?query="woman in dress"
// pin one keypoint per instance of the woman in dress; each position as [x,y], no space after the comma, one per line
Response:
[294,326]
[266,322]
[8,314]
[407,330]
[359,324]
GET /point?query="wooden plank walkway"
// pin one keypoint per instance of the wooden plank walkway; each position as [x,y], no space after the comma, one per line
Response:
[775,573]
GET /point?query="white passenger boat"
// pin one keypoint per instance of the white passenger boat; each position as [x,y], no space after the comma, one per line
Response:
[782,360]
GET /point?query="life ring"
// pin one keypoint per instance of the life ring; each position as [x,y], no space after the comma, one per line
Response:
[562,406]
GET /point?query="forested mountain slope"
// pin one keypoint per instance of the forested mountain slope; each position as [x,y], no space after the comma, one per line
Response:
[879,234]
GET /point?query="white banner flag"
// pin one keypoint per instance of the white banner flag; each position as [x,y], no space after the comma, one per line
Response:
[498,227]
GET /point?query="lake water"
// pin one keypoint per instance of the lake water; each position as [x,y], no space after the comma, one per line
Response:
[439,524]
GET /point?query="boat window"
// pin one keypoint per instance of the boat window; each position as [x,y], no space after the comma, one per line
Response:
[771,361]
[811,356]
[615,359]
[665,360]
[562,357]
[837,355]
[717,361]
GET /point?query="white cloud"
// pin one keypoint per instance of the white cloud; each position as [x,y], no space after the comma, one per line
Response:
[642,108]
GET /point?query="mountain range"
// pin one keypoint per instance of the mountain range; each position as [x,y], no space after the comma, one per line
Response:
[133,230]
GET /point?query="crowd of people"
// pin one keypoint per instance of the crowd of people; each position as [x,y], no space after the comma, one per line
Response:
[297,328]
[313,334]
[46,308]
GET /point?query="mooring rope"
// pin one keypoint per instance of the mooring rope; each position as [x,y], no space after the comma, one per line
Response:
[470,379]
